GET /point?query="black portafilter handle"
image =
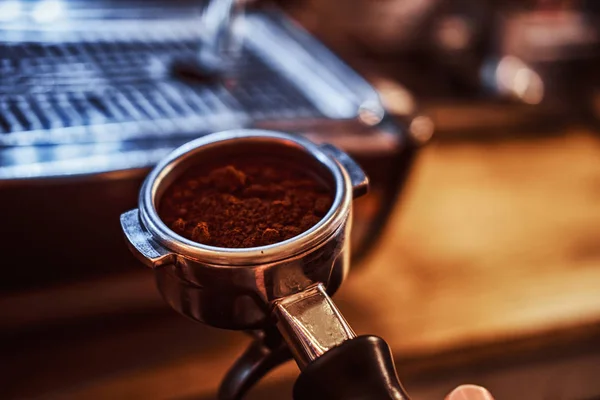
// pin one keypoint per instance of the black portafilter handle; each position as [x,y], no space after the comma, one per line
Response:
[358,369]
[335,364]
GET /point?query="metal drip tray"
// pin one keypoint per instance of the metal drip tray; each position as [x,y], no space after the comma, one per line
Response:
[96,96]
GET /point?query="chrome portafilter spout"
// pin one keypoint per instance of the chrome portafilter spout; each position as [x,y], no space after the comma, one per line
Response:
[281,292]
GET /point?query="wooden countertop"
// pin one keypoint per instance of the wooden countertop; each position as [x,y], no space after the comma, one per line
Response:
[494,243]
[493,240]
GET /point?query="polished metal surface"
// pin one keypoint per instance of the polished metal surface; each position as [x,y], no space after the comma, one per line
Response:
[248,288]
[232,288]
[235,142]
[100,83]
[143,246]
[221,39]
[311,324]
[86,96]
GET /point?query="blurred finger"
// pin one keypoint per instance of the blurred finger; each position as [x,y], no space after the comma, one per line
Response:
[470,392]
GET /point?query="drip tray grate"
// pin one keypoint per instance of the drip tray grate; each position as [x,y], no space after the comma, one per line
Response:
[99,95]
[91,92]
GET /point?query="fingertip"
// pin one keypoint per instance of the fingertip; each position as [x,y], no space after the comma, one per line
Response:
[470,392]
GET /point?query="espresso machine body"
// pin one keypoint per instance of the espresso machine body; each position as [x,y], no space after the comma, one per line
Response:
[90,102]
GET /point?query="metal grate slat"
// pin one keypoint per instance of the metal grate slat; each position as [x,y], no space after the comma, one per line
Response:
[56,86]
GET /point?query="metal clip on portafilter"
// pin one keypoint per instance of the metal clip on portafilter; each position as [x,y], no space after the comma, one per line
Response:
[281,292]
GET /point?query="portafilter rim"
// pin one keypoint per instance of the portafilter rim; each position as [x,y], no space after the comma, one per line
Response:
[252,256]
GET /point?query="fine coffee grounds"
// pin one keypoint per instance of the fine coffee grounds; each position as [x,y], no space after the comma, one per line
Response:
[247,202]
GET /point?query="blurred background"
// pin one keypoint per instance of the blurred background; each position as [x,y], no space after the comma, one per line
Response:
[477,252]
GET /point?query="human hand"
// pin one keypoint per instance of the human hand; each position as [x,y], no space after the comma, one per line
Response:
[469,392]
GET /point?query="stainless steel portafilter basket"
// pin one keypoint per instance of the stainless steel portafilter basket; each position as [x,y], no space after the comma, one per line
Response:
[281,292]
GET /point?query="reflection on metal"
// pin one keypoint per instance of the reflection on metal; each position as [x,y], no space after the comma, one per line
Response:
[333,87]
[421,129]
[221,39]
[10,10]
[512,77]
[311,324]
[147,250]
[398,100]
[47,11]
[371,113]
[453,33]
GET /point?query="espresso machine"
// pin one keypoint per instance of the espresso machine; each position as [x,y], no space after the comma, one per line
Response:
[95,93]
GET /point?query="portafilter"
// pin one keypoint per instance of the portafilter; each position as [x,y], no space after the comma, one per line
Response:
[280,293]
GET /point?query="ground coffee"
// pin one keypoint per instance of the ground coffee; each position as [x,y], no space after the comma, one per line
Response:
[244,203]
